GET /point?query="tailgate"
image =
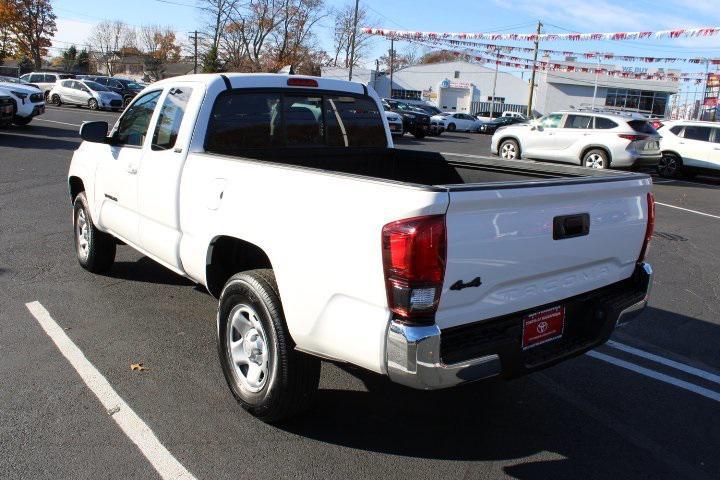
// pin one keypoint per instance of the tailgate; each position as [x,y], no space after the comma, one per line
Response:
[505,237]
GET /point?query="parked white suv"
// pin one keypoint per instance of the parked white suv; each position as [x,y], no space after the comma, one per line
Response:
[45,80]
[28,102]
[592,139]
[461,121]
[689,147]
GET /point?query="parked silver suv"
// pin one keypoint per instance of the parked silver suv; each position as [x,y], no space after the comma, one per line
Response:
[589,138]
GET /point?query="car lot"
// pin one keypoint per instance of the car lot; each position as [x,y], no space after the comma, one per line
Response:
[645,407]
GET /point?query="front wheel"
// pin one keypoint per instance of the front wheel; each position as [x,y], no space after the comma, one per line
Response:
[56,100]
[267,376]
[509,150]
[419,133]
[669,166]
[93,104]
[596,159]
[451,127]
[21,121]
[95,249]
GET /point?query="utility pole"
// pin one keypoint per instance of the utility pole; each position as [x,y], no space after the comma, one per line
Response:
[532,77]
[492,104]
[194,36]
[392,63]
[352,46]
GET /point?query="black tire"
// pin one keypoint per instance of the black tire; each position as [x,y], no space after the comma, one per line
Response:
[21,121]
[99,254]
[509,149]
[670,166]
[419,134]
[596,158]
[56,100]
[93,104]
[293,377]
[451,127]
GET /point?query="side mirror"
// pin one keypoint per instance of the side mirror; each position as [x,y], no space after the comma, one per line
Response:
[95,132]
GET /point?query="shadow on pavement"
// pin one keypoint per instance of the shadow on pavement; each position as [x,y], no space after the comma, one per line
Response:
[147,271]
[39,137]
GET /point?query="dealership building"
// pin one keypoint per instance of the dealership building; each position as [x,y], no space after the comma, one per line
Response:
[467,87]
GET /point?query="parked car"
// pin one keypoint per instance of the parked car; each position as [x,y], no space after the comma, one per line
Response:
[6,79]
[437,125]
[592,139]
[689,147]
[358,252]
[395,123]
[85,93]
[45,80]
[462,122]
[28,101]
[127,89]
[491,126]
[6,110]
[429,109]
[511,114]
[414,121]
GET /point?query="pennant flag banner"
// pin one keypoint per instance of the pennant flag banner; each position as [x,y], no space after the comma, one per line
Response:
[548,37]
[565,53]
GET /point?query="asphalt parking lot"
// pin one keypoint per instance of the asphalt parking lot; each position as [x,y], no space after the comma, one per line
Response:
[645,406]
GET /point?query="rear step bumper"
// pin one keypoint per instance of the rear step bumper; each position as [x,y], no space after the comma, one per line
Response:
[425,357]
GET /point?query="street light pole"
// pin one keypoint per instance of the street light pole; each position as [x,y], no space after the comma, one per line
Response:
[597,72]
[492,104]
[352,46]
[392,63]
[195,57]
[704,90]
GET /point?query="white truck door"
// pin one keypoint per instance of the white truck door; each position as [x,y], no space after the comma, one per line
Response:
[117,181]
[574,130]
[161,170]
[695,146]
[536,142]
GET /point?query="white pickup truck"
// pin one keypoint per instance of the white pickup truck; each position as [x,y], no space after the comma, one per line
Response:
[284,196]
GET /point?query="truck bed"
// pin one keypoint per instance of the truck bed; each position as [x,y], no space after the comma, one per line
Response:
[431,169]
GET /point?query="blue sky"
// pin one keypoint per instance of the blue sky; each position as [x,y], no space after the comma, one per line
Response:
[75,21]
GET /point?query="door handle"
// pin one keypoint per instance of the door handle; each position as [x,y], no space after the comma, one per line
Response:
[132,169]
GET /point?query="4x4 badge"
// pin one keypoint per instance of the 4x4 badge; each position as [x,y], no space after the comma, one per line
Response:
[459,285]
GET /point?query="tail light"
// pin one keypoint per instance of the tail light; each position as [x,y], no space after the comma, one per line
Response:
[657,124]
[632,138]
[650,225]
[414,252]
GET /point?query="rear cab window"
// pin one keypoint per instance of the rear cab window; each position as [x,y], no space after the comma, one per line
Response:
[602,123]
[242,120]
[170,119]
[578,121]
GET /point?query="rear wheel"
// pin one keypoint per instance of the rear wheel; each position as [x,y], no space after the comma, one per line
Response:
[93,104]
[419,133]
[267,376]
[95,249]
[509,150]
[451,127]
[669,166]
[597,159]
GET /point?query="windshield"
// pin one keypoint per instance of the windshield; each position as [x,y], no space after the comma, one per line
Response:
[95,86]
[11,80]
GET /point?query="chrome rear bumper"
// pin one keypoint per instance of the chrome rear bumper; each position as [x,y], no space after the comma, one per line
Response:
[413,356]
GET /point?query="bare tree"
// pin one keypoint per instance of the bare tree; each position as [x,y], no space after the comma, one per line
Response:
[217,13]
[110,38]
[160,47]
[343,26]
[294,34]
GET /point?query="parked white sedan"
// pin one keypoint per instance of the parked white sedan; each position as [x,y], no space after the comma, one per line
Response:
[461,122]
[592,139]
[85,93]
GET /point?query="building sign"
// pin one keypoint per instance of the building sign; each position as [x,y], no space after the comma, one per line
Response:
[711,102]
[448,84]
[713,80]
[634,70]
[429,95]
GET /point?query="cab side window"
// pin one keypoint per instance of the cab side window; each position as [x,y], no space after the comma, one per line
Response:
[578,121]
[171,116]
[132,127]
[693,132]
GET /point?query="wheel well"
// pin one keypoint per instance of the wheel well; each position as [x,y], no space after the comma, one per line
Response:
[596,147]
[670,152]
[517,142]
[227,256]
[76,187]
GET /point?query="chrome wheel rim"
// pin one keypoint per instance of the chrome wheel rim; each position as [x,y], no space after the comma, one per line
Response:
[508,151]
[247,350]
[93,105]
[595,161]
[82,234]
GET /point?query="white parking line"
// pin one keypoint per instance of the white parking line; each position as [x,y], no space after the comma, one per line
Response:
[665,361]
[55,121]
[691,387]
[688,210]
[129,422]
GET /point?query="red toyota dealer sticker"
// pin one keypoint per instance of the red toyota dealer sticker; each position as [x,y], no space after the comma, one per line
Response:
[544,326]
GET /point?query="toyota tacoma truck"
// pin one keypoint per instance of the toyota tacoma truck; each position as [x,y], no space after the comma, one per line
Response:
[284,196]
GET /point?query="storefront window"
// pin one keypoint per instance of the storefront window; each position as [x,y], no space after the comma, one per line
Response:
[407,94]
[660,104]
